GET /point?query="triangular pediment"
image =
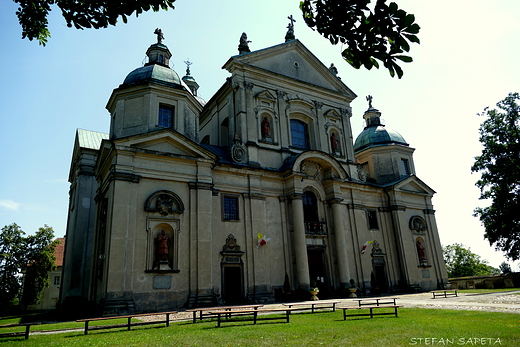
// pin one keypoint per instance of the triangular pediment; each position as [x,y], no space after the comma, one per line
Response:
[293,60]
[414,185]
[167,143]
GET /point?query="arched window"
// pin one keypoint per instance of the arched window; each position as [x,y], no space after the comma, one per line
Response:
[310,213]
[334,142]
[205,140]
[310,207]
[299,134]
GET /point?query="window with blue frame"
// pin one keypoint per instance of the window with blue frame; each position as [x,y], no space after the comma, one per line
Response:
[299,134]
[165,116]
[230,211]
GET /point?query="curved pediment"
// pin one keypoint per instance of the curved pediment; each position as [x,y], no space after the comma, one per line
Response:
[311,162]
[164,202]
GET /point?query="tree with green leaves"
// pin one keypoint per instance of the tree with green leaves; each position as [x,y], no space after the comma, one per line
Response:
[461,262]
[12,260]
[505,268]
[25,260]
[499,183]
[40,248]
[32,14]
[383,34]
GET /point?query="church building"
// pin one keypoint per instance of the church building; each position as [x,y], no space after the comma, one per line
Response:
[253,196]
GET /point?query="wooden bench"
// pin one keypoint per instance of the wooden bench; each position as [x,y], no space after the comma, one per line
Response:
[266,314]
[312,305]
[371,313]
[17,333]
[378,301]
[444,293]
[128,324]
[204,312]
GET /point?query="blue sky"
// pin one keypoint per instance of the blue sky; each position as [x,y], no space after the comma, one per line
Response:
[467,60]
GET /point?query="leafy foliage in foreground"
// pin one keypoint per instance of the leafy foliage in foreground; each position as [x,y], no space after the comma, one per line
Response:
[383,34]
[32,14]
[499,166]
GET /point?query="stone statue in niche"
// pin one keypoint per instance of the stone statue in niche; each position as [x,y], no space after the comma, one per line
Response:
[421,252]
[334,144]
[163,250]
[164,204]
[266,128]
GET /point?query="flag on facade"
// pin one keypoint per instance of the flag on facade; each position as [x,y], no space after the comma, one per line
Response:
[262,240]
[365,246]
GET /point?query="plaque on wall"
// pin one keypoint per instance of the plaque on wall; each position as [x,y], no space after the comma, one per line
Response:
[162,282]
[425,273]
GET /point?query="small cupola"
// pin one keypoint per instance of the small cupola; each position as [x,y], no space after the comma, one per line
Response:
[189,80]
[158,53]
[372,116]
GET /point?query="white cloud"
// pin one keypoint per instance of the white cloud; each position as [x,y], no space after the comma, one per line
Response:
[10,205]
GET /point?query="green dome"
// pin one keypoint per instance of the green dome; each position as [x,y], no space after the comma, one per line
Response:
[377,135]
[153,73]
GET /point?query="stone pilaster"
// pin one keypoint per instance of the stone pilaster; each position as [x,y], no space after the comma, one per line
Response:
[341,241]
[300,245]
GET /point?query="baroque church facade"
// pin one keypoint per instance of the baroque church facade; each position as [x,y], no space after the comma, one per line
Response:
[257,193]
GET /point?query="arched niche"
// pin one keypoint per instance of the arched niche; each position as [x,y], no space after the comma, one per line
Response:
[420,247]
[164,209]
[164,202]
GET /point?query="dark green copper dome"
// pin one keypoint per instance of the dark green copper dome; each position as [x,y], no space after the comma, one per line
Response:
[376,134]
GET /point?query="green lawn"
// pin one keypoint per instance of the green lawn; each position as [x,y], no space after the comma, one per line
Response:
[414,326]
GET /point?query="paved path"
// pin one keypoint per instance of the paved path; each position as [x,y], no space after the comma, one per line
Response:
[506,301]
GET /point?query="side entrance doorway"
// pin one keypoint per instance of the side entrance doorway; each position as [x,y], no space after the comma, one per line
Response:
[317,270]
[232,284]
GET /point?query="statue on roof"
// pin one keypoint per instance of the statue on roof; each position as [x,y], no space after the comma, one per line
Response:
[369,99]
[333,69]
[290,29]
[160,35]
[188,64]
[243,46]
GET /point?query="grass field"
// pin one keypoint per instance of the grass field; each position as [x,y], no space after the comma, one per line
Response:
[414,326]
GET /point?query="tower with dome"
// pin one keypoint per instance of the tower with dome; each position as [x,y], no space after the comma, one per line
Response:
[250,196]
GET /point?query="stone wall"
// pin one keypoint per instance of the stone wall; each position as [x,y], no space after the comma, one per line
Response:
[511,280]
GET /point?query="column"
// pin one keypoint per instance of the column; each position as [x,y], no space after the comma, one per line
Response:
[341,242]
[300,244]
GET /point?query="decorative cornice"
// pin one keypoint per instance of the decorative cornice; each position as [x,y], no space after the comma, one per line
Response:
[356,207]
[124,176]
[201,185]
[429,211]
[255,196]
[334,200]
[393,208]
[295,196]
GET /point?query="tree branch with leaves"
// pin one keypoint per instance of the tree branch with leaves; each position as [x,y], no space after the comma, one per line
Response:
[383,34]
[32,14]
[499,166]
